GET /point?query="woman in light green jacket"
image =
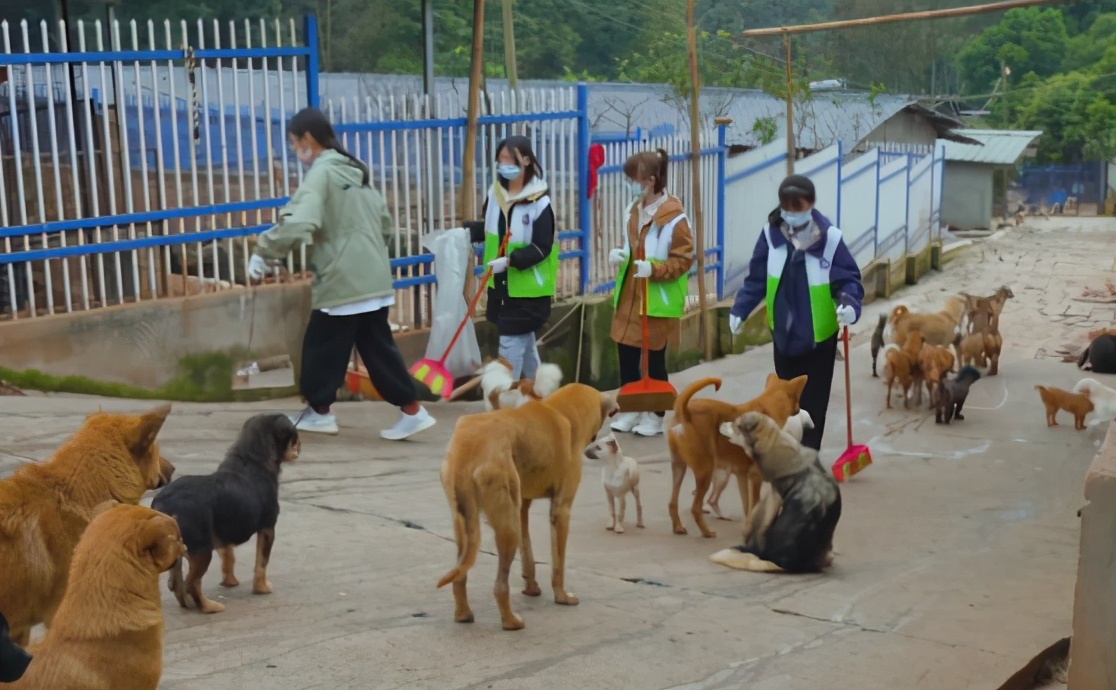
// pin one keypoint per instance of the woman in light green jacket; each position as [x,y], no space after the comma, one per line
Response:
[343,218]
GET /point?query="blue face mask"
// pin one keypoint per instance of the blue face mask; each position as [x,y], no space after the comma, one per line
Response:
[636,188]
[796,219]
[509,172]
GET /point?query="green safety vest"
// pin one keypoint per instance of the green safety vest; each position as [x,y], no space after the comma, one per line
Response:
[665,299]
[540,280]
[823,310]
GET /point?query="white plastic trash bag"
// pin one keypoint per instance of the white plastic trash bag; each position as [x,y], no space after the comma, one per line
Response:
[451,249]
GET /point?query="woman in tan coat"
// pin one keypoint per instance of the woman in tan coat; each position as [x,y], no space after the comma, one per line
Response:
[658,252]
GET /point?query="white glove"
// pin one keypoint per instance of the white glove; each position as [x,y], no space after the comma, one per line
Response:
[736,324]
[257,268]
[643,269]
[499,264]
[846,316]
[618,255]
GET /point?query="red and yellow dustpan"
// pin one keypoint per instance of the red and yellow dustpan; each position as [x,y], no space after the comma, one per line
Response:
[433,372]
[646,394]
[855,458]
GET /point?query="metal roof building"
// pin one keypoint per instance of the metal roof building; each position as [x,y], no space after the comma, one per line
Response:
[995,146]
[975,181]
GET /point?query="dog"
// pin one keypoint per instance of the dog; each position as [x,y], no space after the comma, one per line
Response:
[796,426]
[619,476]
[934,363]
[501,391]
[878,342]
[937,329]
[792,529]
[1102,397]
[224,509]
[972,350]
[497,463]
[901,365]
[1100,356]
[695,443]
[108,631]
[44,507]
[1054,399]
[952,394]
[14,659]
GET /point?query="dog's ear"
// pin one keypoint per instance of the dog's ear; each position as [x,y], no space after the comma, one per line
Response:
[103,507]
[797,385]
[609,407]
[146,429]
[612,443]
[161,541]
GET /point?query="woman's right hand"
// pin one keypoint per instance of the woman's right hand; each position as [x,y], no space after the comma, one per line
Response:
[618,255]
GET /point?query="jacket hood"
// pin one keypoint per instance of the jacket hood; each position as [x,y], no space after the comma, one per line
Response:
[340,167]
[533,189]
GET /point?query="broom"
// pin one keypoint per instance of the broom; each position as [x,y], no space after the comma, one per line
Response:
[646,394]
[855,458]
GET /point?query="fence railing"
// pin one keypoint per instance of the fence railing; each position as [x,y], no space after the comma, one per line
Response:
[138,163]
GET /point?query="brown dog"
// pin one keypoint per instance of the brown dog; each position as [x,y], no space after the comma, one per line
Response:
[496,464]
[934,362]
[937,329]
[44,507]
[972,351]
[1057,399]
[108,631]
[696,442]
[902,367]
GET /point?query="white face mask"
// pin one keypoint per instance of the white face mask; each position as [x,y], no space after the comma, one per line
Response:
[305,155]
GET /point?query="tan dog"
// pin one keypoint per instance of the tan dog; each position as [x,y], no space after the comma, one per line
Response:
[934,362]
[902,366]
[696,443]
[44,507]
[972,350]
[496,464]
[1077,404]
[937,329]
[108,632]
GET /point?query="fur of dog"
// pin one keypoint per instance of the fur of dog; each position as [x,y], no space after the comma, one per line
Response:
[972,351]
[796,426]
[1100,356]
[497,463]
[1054,399]
[1103,398]
[696,443]
[901,365]
[224,509]
[619,476]
[792,530]
[13,658]
[44,507]
[952,394]
[501,391]
[939,328]
[108,632]
[878,342]
[934,363]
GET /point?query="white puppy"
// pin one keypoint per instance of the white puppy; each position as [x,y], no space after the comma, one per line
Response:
[795,426]
[502,391]
[1103,397]
[620,475]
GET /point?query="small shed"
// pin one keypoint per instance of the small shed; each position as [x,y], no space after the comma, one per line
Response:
[976,175]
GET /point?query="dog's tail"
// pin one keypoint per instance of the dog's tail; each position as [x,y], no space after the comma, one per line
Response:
[466,527]
[682,405]
[548,379]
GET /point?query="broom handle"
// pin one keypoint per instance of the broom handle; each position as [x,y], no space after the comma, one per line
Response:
[848,389]
[645,365]
[473,302]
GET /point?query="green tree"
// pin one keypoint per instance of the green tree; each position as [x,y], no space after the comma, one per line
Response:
[1027,40]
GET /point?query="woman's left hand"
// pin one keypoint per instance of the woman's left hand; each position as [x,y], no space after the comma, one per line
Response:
[499,264]
[643,269]
[846,316]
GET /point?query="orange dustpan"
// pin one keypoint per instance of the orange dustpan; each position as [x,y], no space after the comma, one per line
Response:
[646,394]
[433,372]
[855,458]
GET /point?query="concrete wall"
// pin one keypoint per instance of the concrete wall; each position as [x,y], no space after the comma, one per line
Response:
[1092,662]
[967,196]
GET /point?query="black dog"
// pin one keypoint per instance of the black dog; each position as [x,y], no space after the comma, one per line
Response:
[878,342]
[224,509]
[1100,356]
[14,659]
[952,394]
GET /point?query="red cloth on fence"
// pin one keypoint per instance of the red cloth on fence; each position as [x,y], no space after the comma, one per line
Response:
[596,160]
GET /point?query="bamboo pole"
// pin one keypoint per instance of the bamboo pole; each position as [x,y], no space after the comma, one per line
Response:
[695,176]
[509,48]
[469,163]
[790,106]
[902,17]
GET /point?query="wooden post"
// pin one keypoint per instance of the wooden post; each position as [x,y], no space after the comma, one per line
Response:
[469,163]
[695,175]
[790,106]
[509,47]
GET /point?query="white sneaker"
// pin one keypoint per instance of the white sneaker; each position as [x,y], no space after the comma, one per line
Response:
[409,425]
[310,421]
[651,424]
[626,421]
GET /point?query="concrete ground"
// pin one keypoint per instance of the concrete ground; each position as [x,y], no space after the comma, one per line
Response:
[956,561]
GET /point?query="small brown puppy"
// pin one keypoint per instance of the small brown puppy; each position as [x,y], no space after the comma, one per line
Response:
[496,464]
[108,632]
[934,362]
[696,443]
[44,507]
[972,351]
[902,366]
[1057,399]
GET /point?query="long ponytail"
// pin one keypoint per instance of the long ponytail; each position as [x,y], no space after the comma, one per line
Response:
[314,122]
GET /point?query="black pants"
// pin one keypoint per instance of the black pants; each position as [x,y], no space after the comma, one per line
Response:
[631,365]
[818,367]
[327,348]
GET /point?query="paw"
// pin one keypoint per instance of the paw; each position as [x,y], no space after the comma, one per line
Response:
[261,587]
[639,524]
[465,616]
[619,529]
[532,590]
[566,599]
[681,530]
[212,607]
[708,533]
[959,417]
[610,526]
[513,623]
[230,581]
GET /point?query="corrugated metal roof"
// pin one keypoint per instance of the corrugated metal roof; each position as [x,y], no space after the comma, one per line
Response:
[999,146]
